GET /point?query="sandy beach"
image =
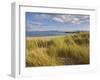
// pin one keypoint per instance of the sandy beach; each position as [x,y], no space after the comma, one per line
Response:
[44,37]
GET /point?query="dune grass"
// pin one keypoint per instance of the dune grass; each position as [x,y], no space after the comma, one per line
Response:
[66,50]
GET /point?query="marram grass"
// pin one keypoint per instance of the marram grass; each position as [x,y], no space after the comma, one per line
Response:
[66,50]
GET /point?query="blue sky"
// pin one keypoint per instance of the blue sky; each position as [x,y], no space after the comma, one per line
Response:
[58,22]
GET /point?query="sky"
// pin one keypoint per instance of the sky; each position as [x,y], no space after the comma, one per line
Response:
[56,22]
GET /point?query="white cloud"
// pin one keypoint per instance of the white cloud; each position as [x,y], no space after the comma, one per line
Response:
[37,23]
[32,25]
[75,21]
[85,17]
[58,19]
[61,18]
[67,19]
[64,18]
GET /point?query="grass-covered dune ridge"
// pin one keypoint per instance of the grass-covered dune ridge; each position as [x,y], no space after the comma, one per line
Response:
[66,50]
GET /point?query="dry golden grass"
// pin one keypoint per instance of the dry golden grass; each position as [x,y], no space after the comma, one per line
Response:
[59,50]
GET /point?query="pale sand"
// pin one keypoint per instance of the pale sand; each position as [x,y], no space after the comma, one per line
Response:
[44,37]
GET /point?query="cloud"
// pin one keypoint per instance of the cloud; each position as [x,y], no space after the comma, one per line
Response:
[85,17]
[41,16]
[75,21]
[58,19]
[32,25]
[46,21]
[36,23]
[67,19]
[71,18]
[61,18]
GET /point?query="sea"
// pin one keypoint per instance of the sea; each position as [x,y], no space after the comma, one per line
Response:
[44,33]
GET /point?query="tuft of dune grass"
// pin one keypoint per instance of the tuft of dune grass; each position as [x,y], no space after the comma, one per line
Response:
[38,57]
